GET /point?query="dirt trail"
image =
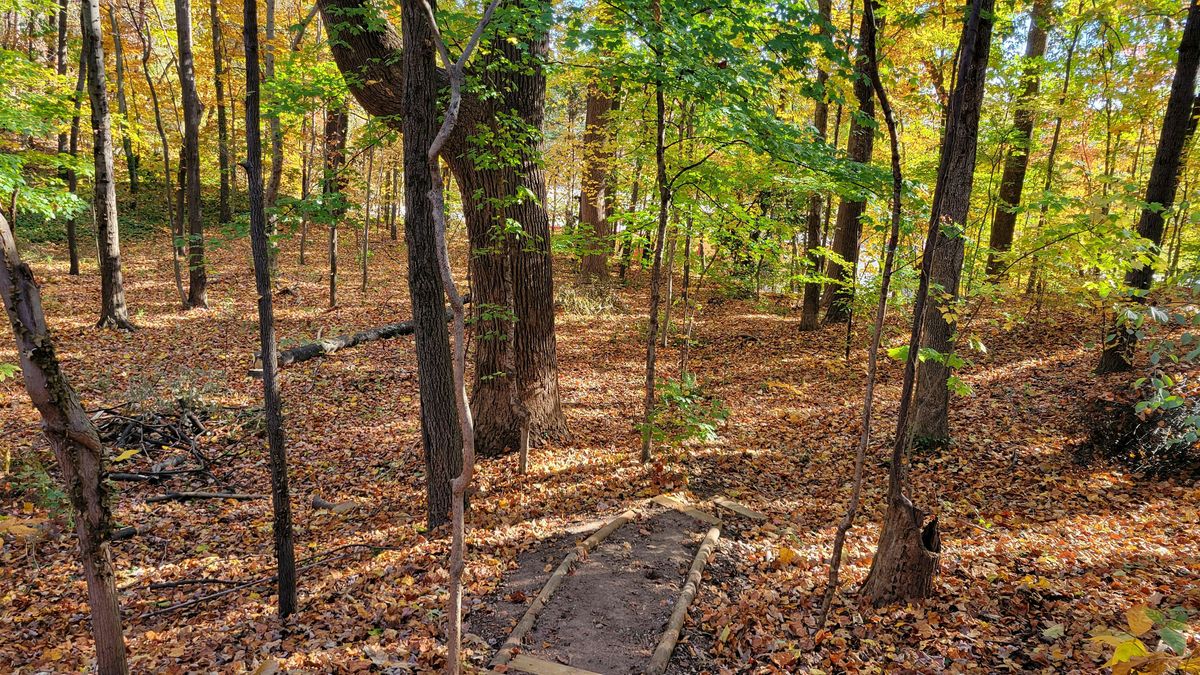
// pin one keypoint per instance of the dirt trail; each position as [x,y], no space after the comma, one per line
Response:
[609,614]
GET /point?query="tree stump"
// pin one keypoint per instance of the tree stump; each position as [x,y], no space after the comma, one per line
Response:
[907,557]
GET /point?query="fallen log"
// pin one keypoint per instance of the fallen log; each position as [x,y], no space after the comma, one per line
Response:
[326,346]
[187,496]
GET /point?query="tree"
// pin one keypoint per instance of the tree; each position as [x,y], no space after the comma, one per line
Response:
[223,164]
[260,245]
[951,202]
[514,379]
[131,158]
[1012,183]
[839,294]
[594,197]
[197,276]
[1160,190]
[69,143]
[812,234]
[113,312]
[77,449]
[333,183]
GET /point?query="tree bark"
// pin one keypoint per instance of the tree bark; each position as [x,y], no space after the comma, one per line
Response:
[440,431]
[593,201]
[285,555]
[840,293]
[113,312]
[76,446]
[664,205]
[273,119]
[1160,188]
[811,304]
[131,158]
[337,123]
[951,202]
[69,143]
[197,275]
[1012,181]
[223,163]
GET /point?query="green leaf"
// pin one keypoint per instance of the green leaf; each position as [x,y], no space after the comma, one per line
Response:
[1174,639]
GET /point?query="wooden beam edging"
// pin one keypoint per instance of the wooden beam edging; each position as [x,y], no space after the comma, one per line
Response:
[528,664]
[666,645]
[513,643]
[687,509]
[738,508]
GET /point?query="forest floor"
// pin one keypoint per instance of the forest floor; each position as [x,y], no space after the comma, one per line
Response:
[1037,551]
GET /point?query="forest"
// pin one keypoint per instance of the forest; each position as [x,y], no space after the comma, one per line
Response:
[599,336]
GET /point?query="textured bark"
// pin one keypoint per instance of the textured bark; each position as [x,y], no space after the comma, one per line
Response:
[951,201]
[197,275]
[839,294]
[593,200]
[260,246]
[1161,186]
[1012,181]
[76,447]
[223,163]
[440,432]
[337,123]
[811,305]
[907,558]
[113,312]
[367,49]
[131,158]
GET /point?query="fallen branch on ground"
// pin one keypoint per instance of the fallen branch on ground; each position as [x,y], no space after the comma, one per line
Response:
[184,496]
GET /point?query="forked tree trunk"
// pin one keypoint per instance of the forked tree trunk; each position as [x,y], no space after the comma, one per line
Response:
[76,447]
[224,211]
[131,158]
[951,202]
[1012,182]
[839,294]
[197,275]
[1161,187]
[812,235]
[113,312]
[260,245]
[593,199]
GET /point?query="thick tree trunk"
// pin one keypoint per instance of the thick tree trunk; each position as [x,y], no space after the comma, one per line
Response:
[1161,187]
[1012,181]
[285,555]
[223,163]
[593,200]
[197,275]
[840,293]
[76,446]
[131,158]
[337,123]
[951,202]
[440,431]
[812,237]
[113,312]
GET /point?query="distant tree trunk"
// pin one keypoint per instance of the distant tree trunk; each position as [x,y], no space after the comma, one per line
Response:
[626,257]
[394,205]
[131,158]
[440,431]
[664,205]
[308,131]
[1012,182]
[337,123]
[260,245]
[812,236]
[223,163]
[113,312]
[366,231]
[70,143]
[593,214]
[273,119]
[951,202]
[839,295]
[1161,187]
[197,276]
[76,446]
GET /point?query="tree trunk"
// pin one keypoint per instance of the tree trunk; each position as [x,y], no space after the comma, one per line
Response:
[76,446]
[113,312]
[951,202]
[197,276]
[366,231]
[223,208]
[337,123]
[840,293]
[1012,181]
[131,158]
[593,200]
[1161,187]
[261,249]
[812,236]
[273,119]
[69,143]
[440,431]
[664,205]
